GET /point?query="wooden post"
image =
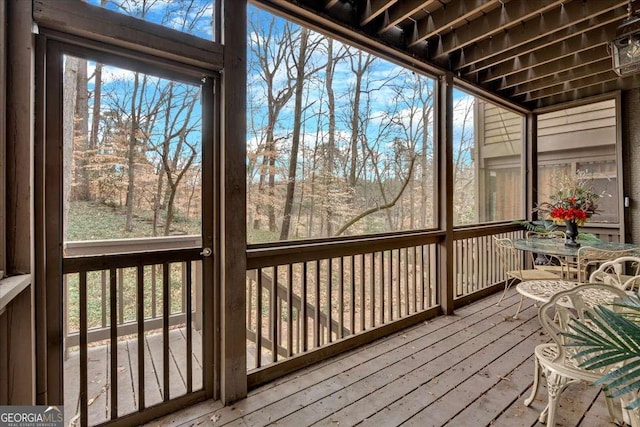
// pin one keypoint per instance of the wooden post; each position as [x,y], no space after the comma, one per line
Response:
[233,359]
[531,163]
[444,157]
[3,135]
[19,194]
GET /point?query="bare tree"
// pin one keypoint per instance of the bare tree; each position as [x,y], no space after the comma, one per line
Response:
[300,63]
[270,48]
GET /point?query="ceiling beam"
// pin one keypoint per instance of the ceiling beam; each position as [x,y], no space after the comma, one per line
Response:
[330,3]
[554,26]
[446,17]
[569,75]
[569,85]
[621,83]
[401,11]
[373,8]
[508,15]
[595,54]
[568,47]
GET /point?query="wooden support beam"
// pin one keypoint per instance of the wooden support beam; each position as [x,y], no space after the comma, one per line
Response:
[571,85]
[374,8]
[535,34]
[446,17]
[330,3]
[508,15]
[97,23]
[401,11]
[19,137]
[531,163]
[444,160]
[622,83]
[3,135]
[567,48]
[594,54]
[233,261]
[573,74]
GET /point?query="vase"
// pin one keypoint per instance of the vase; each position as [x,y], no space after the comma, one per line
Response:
[572,234]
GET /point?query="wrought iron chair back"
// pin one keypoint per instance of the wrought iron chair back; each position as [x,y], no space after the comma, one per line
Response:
[622,272]
[512,262]
[590,258]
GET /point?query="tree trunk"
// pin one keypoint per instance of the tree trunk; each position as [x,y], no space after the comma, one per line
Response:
[131,156]
[331,143]
[295,139]
[81,134]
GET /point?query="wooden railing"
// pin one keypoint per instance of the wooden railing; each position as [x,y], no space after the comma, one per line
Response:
[98,328]
[312,297]
[301,300]
[305,297]
[476,264]
[139,292]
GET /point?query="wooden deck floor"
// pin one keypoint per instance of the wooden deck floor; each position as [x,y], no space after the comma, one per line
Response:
[98,375]
[470,369]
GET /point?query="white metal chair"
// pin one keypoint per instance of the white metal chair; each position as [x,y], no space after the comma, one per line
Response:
[590,258]
[622,272]
[554,360]
[512,261]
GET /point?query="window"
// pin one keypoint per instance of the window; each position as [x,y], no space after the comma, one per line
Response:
[340,142]
[487,147]
[581,138]
[132,153]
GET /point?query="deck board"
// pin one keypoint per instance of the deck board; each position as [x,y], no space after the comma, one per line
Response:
[472,368]
[99,371]
[404,368]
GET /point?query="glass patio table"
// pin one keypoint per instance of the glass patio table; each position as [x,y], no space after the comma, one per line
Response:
[557,248]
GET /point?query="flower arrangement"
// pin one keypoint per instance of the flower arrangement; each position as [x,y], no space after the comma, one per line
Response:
[574,199]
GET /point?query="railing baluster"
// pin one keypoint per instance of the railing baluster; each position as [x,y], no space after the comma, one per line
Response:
[188,303]
[258,355]
[166,309]
[352,320]
[415,279]
[154,302]
[113,323]
[406,281]
[250,309]
[425,281]
[362,296]
[275,314]
[120,275]
[65,315]
[394,284]
[279,337]
[372,289]
[103,299]
[183,295]
[290,310]
[341,298]
[390,288]
[303,308]
[141,336]
[398,282]
[382,296]
[316,321]
[329,305]
[84,405]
